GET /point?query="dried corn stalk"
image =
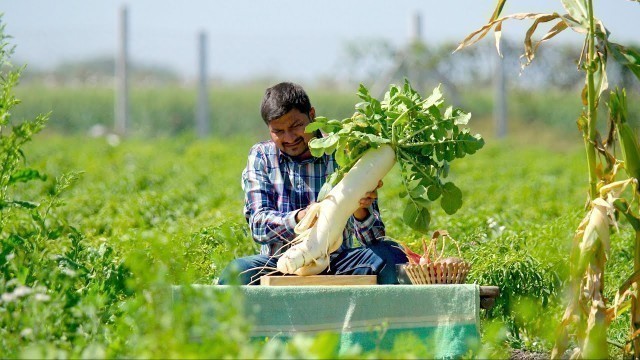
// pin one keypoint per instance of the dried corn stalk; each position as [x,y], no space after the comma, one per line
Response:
[587,310]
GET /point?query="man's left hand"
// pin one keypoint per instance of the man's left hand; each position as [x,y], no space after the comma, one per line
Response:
[363,211]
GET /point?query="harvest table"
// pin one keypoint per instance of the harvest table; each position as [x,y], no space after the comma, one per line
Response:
[445,317]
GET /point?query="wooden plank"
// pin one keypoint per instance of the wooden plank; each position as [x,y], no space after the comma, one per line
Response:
[318,280]
[489,291]
[488,296]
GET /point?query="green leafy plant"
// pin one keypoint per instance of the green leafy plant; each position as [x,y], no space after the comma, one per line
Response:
[54,285]
[425,136]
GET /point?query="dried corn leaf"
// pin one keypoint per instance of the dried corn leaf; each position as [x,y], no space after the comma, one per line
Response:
[628,290]
[477,35]
[529,50]
[559,27]
[595,343]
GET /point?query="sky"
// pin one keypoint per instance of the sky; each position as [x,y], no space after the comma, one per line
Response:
[250,38]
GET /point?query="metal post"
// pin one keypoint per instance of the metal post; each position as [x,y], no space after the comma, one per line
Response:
[122,81]
[415,28]
[202,111]
[500,101]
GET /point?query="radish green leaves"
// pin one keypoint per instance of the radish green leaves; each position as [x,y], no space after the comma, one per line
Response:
[425,135]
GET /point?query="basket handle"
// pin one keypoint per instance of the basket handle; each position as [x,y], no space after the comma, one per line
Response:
[433,245]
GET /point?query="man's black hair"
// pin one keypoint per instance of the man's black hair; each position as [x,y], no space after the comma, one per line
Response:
[282,98]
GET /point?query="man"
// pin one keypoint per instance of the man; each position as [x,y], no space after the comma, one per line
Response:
[282,178]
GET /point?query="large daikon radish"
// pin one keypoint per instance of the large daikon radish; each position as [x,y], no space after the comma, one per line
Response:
[329,216]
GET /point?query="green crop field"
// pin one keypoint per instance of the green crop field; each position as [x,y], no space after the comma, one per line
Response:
[140,216]
[98,234]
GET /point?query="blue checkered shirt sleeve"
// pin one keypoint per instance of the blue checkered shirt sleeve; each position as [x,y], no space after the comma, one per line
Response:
[267,222]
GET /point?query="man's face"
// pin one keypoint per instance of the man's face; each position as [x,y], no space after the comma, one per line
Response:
[287,132]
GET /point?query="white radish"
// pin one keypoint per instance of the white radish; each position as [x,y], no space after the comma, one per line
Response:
[321,228]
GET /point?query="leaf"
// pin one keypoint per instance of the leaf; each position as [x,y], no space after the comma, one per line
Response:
[555,30]
[448,113]
[460,153]
[421,201]
[578,11]
[416,217]
[317,124]
[315,151]
[462,118]
[529,50]
[623,207]
[497,34]
[363,93]
[600,75]
[485,29]
[341,157]
[434,99]
[371,137]
[449,152]
[427,150]
[439,152]
[451,198]
[498,10]
[417,191]
[434,192]
[479,34]
[439,132]
[444,170]
[471,143]
[24,204]
[327,144]
[26,175]
[626,57]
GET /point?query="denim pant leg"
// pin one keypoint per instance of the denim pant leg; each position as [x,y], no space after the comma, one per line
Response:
[391,253]
[248,270]
[354,261]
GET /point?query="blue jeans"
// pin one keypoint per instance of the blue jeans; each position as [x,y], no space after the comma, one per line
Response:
[379,259]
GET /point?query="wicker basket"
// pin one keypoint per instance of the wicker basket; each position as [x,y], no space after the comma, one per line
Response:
[441,270]
[437,273]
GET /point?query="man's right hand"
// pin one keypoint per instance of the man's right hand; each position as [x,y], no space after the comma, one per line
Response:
[300,214]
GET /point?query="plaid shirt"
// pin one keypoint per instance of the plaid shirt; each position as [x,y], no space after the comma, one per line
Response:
[276,186]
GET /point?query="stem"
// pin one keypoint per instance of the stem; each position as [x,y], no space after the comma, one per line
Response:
[416,165]
[405,182]
[592,115]
[595,342]
[394,140]
[417,132]
[635,304]
[418,144]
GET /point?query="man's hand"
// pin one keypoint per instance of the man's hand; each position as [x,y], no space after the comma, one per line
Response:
[363,211]
[300,214]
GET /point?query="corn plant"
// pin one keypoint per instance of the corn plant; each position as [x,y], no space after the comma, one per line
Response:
[587,310]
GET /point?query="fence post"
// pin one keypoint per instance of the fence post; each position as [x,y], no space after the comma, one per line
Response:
[122,81]
[500,101]
[202,110]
